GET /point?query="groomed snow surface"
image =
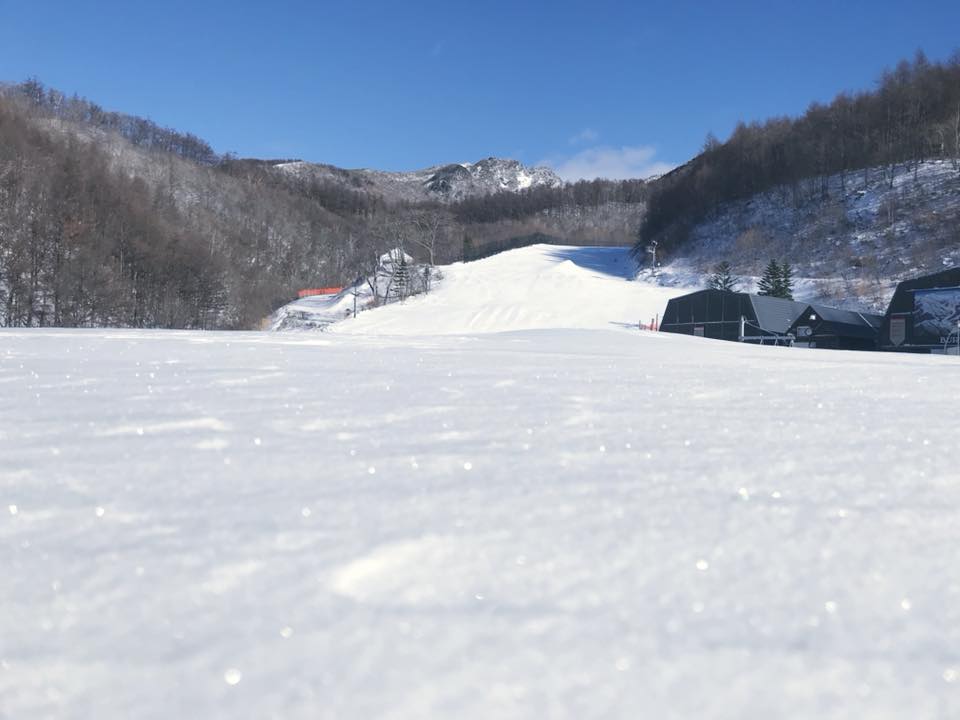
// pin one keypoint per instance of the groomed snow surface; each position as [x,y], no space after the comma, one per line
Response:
[536,287]
[542,523]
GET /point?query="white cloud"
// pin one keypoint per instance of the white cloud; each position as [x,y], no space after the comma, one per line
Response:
[585,136]
[611,163]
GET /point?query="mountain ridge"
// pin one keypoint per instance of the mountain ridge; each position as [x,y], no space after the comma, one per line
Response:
[108,219]
[447,183]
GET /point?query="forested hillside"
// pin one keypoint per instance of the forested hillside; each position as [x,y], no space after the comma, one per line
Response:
[850,246]
[912,116]
[110,219]
[95,230]
[80,244]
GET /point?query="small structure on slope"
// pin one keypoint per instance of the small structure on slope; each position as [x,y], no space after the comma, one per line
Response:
[819,326]
[924,315]
[727,315]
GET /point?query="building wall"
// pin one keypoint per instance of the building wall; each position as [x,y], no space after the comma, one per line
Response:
[900,316]
[707,313]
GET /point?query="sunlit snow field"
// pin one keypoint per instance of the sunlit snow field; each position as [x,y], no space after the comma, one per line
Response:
[558,523]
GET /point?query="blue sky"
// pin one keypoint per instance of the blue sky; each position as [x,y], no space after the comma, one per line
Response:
[600,87]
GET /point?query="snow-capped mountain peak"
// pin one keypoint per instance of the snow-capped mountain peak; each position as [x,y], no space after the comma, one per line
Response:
[446,183]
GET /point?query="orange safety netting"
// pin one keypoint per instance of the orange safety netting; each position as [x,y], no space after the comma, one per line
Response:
[318,291]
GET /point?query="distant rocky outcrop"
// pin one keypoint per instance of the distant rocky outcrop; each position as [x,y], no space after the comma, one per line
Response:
[443,183]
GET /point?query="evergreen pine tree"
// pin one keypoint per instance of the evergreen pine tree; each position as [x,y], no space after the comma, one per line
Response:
[786,281]
[723,278]
[770,281]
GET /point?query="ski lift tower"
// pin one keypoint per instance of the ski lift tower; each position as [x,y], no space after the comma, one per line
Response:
[652,249]
[355,291]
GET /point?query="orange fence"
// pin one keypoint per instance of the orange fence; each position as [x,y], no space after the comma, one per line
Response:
[318,291]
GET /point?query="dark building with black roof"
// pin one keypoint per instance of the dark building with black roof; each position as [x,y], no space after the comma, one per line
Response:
[819,326]
[726,315]
[924,314]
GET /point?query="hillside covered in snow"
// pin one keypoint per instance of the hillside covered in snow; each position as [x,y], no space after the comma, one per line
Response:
[851,238]
[164,232]
[857,192]
[541,286]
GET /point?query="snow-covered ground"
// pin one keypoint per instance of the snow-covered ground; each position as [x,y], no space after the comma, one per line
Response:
[552,523]
[399,520]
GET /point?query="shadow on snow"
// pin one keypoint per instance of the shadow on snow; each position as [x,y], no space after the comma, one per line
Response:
[613,261]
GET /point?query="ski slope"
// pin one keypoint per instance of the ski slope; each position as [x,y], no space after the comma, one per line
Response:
[536,287]
[556,522]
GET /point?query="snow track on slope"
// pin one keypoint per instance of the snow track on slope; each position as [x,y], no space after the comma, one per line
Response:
[541,286]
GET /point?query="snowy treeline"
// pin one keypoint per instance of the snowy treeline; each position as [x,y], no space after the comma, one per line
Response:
[913,116]
[109,219]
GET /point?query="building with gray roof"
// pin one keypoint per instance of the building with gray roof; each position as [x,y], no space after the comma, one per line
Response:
[762,319]
[819,326]
[726,315]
